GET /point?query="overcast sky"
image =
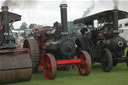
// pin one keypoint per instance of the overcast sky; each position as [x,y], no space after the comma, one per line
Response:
[46,12]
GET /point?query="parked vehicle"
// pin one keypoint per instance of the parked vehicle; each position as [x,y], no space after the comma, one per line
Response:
[53,48]
[15,63]
[100,37]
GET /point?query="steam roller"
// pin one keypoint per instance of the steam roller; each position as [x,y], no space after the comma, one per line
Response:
[15,63]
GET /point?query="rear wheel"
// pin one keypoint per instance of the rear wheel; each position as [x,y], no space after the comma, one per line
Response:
[106,61]
[49,66]
[85,67]
[33,46]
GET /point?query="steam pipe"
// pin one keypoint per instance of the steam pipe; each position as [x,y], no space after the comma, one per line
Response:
[63,9]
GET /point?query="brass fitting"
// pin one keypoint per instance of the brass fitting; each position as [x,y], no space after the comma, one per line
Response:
[4,8]
[63,5]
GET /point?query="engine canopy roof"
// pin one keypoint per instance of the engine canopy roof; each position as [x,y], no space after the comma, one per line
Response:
[101,15]
[12,17]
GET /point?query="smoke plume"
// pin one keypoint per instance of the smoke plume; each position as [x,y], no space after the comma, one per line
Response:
[63,2]
[89,9]
[19,3]
[116,4]
[10,3]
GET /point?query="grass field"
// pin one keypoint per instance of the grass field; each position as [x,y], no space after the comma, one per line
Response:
[118,76]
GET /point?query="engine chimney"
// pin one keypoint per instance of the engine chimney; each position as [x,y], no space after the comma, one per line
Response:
[63,8]
[5,20]
[115,19]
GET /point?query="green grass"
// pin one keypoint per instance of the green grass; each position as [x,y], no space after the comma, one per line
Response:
[118,76]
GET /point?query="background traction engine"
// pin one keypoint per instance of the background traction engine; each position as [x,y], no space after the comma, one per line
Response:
[57,49]
[15,63]
[104,43]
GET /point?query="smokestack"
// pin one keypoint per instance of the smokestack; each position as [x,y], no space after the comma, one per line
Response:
[116,19]
[5,20]
[116,3]
[63,9]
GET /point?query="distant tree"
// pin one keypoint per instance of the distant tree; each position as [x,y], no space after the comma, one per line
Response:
[31,26]
[23,26]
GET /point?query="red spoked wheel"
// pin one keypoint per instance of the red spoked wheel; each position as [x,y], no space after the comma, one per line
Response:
[49,66]
[85,67]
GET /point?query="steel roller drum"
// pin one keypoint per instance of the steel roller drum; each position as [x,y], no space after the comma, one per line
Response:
[15,66]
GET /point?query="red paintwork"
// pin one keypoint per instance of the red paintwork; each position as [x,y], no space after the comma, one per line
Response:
[85,67]
[46,60]
[49,66]
[73,61]
[82,61]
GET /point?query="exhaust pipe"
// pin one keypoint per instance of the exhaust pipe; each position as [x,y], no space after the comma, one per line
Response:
[63,9]
[5,20]
[115,19]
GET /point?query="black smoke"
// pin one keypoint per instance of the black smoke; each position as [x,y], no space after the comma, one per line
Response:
[19,3]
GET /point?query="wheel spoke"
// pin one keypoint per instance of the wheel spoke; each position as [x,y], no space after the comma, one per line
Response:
[107,61]
[85,67]
[49,67]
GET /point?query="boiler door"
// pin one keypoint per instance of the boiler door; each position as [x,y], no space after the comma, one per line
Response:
[118,43]
[67,47]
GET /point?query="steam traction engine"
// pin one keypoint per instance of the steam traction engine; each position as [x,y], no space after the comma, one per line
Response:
[103,42]
[15,63]
[57,49]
